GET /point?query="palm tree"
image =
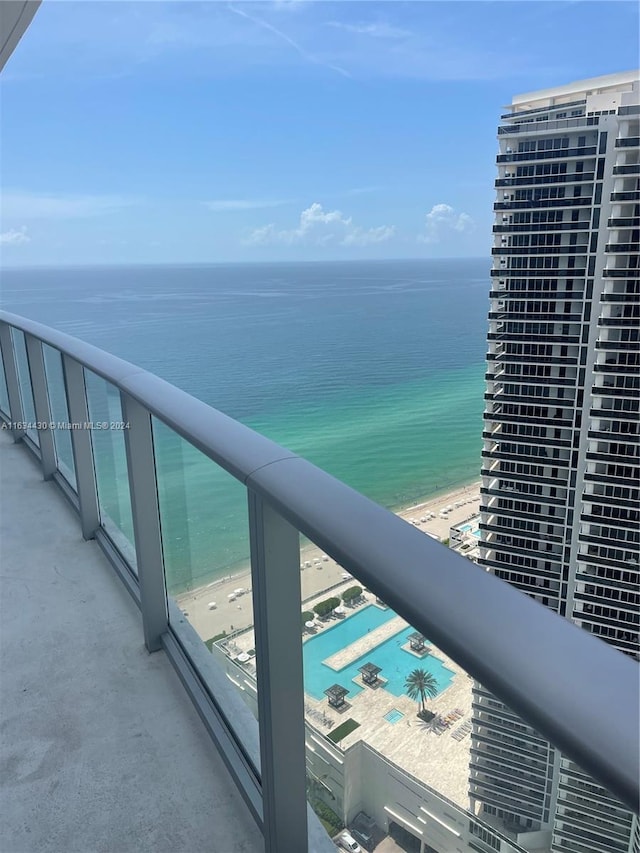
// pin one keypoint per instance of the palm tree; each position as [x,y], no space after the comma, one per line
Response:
[419,684]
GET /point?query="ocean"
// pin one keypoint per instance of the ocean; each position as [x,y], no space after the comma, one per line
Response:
[371,370]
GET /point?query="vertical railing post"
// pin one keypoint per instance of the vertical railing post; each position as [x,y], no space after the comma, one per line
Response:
[81,445]
[275,573]
[16,412]
[35,357]
[145,510]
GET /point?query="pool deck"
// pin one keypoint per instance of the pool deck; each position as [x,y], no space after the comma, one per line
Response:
[439,760]
[369,641]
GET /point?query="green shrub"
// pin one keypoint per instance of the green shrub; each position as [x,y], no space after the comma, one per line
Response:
[307,616]
[343,730]
[351,593]
[330,820]
[323,608]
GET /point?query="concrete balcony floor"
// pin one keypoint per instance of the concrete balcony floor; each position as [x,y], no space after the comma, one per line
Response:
[101,750]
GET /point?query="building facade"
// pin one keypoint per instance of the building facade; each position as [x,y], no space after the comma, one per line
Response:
[561,462]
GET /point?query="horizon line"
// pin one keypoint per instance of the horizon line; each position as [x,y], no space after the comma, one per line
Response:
[102,264]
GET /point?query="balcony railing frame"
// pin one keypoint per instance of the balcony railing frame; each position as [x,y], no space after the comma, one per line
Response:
[514,647]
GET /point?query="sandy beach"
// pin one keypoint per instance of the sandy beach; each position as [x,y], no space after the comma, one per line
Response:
[233,609]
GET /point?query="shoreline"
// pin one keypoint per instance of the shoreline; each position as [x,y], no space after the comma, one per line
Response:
[233,612]
[241,569]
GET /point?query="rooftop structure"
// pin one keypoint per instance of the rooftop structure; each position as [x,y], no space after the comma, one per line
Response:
[370,673]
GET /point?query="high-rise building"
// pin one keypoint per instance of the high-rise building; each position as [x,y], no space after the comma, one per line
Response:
[561,466]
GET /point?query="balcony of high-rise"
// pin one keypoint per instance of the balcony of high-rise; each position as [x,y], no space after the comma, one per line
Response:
[128,726]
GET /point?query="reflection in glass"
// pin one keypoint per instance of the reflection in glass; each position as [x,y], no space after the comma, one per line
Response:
[203,513]
[59,413]
[107,435]
[4,394]
[24,380]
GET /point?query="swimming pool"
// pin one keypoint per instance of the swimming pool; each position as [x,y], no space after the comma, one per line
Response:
[466,527]
[393,660]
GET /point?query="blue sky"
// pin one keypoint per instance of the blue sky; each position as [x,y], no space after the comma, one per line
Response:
[214,131]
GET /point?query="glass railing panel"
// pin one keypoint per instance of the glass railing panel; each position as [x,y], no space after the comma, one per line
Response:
[110,461]
[4,394]
[205,541]
[59,413]
[324,627]
[24,380]
[375,686]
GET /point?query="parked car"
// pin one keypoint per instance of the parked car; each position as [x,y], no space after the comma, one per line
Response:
[348,842]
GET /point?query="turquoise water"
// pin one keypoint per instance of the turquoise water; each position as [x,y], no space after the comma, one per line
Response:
[394,716]
[372,370]
[471,527]
[393,660]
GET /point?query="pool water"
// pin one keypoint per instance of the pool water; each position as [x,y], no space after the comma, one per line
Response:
[394,716]
[393,660]
[466,527]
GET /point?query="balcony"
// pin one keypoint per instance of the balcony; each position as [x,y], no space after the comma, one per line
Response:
[622,247]
[631,110]
[521,113]
[623,320]
[545,126]
[541,250]
[229,775]
[627,169]
[611,344]
[620,272]
[625,195]
[565,272]
[87,709]
[531,180]
[532,204]
[564,153]
[628,142]
[516,227]
[630,297]
[623,222]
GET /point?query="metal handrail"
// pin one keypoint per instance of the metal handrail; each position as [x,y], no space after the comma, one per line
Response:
[573,688]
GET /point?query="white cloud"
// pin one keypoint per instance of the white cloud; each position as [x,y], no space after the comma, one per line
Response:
[288,5]
[368,236]
[363,190]
[441,221]
[380,30]
[320,228]
[15,237]
[241,204]
[18,204]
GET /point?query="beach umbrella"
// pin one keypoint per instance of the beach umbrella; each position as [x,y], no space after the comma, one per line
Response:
[309,624]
